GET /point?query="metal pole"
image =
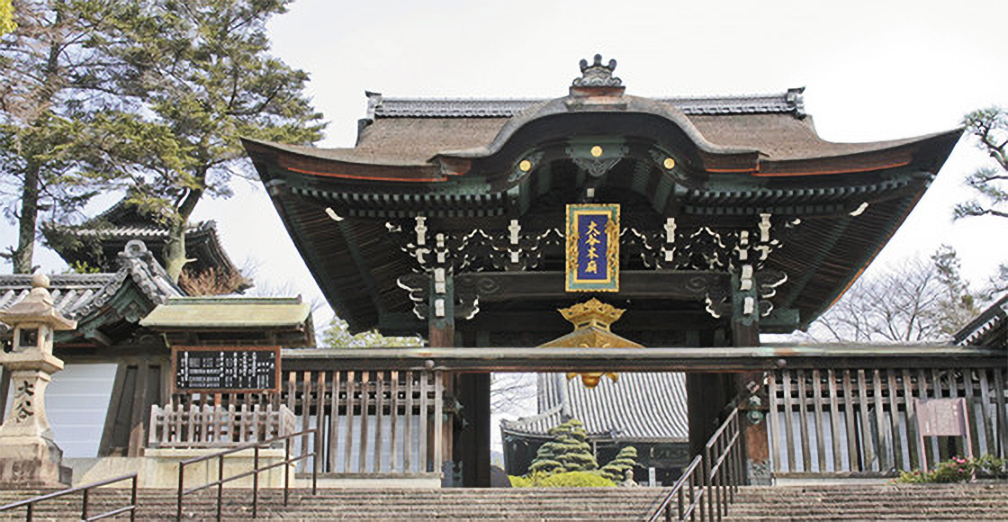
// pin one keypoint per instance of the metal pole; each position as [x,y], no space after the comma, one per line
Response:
[315,463]
[286,469]
[220,485]
[668,514]
[28,517]
[178,513]
[84,506]
[255,484]
[707,484]
[133,499]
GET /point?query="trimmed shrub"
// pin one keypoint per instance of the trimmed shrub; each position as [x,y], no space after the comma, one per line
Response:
[626,459]
[576,479]
[520,482]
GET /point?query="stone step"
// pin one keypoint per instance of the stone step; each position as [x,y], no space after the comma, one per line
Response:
[360,504]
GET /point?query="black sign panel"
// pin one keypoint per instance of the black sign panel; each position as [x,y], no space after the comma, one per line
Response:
[226,369]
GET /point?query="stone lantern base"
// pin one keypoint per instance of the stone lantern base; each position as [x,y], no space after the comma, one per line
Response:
[32,463]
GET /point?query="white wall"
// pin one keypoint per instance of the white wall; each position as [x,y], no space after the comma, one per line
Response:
[76,403]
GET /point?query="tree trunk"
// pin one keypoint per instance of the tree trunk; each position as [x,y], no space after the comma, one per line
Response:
[175,248]
[22,258]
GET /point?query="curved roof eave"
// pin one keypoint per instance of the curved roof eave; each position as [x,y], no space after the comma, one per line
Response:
[629,105]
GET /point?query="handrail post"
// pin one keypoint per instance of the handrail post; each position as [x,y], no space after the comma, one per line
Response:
[255,484]
[220,485]
[30,514]
[707,484]
[133,499]
[317,461]
[181,475]
[84,504]
[286,469]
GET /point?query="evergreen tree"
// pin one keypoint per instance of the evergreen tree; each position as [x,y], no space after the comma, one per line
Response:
[53,83]
[198,76]
[338,336]
[990,184]
[569,451]
[616,468]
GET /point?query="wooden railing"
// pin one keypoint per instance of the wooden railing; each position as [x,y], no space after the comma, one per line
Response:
[373,422]
[708,485]
[29,503]
[862,421]
[254,472]
[192,426]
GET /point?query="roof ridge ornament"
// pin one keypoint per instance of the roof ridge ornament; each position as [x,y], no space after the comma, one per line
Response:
[597,79]
[597,75]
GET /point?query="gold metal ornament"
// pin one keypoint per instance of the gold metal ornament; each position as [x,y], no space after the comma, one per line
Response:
[669,163]
[596,151]
[592,320]
[525,165]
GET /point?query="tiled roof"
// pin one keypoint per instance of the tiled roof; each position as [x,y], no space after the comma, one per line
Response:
[990,328]
[788,102]
[637,407]
[78,295]
[229,312]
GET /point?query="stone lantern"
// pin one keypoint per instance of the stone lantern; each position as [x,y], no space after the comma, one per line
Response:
[30,457]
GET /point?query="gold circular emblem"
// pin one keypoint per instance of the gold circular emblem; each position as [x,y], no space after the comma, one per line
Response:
[525,165]
[596,151]
[669,163]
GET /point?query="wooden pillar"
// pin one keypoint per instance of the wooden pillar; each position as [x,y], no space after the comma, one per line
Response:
[441,315]
[706,396]
[474,392]
[745,332]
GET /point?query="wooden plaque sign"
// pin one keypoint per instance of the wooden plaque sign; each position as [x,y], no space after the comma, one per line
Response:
[592,248]
[226,368]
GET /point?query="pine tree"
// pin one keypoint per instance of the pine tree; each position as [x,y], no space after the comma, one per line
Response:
[53,83]
[199,77]
[569,451]
[616,468]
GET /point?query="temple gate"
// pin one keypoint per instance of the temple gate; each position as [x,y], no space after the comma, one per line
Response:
[470,222]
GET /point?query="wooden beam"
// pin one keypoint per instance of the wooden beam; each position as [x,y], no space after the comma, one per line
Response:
[721,359]
[658,284]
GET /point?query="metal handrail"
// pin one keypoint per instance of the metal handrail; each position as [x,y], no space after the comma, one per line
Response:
[255,446]
[687,480]
[30,502]
[721,474]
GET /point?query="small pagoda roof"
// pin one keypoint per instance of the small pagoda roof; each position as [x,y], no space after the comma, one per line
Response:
[98,241]
[103,304]
[989,329]
[638,407]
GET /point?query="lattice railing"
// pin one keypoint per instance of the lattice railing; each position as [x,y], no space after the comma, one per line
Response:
[862,421]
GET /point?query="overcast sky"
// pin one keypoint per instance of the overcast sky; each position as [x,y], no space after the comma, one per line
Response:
[873,71]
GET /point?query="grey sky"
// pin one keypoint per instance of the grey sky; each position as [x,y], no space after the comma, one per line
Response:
[873,70]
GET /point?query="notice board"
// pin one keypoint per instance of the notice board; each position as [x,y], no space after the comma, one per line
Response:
[226,368]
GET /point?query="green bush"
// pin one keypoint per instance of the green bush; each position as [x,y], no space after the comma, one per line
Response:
[520,482]
[958,469]
[570,479]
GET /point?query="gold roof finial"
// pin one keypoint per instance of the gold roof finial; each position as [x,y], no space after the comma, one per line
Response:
[592,313]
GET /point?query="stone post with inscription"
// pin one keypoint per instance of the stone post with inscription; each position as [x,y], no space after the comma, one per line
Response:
[30,457]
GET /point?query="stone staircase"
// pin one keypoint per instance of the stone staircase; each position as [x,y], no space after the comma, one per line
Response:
[554,504]
[977,501]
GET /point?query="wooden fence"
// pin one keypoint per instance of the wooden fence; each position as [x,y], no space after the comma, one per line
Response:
[861,421]
[373,422]
[192,426]
[376,422]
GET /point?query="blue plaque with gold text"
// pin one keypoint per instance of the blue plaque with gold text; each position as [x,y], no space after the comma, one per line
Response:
[592,248]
